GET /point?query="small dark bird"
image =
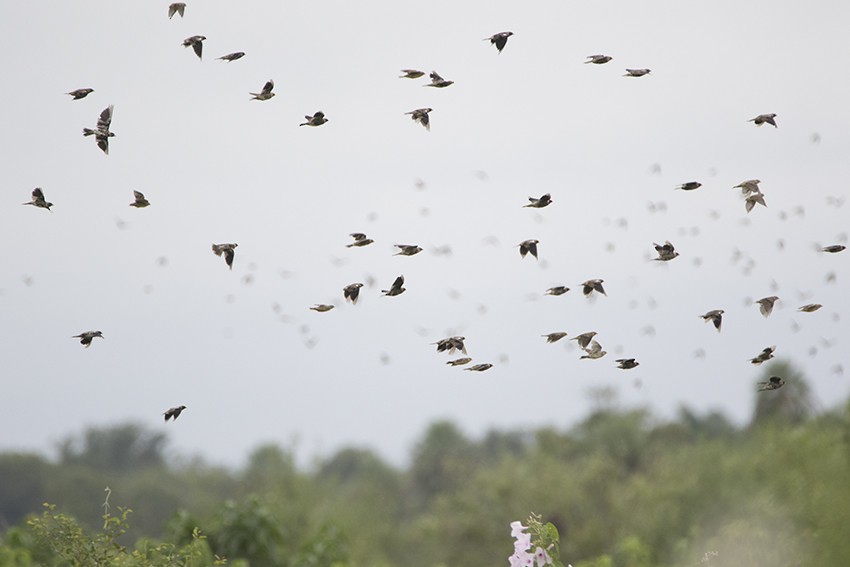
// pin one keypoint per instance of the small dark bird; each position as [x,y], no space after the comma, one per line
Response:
[101,132]
[810,307]
[459,361]
[396,288]
[80,93]
[316,120]
[38,200]
[557,290]
[266,93]
[500,39]
[536,203]
[764,118]
[86,338]
[598,59]
[528,247]
[689,186]
[229,251]
[715,316]
[636,72]
[480,367]
[590,286]
[196,43]
[359,240]
[176,8]
[766,305]
[554,337]
[834,248]
[627,363]
[232,56]
[407,249]
[437,81]
[411,74]
[451,345]
[140,201]
[351,292]
[765,355]
[584,339]
[666,252]
[421,115]
[773,383]
[322,307]
[174,413]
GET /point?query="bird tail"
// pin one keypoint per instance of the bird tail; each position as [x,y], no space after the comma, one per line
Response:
[89,132]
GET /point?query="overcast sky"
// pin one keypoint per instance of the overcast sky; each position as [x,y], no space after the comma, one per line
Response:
[241,348]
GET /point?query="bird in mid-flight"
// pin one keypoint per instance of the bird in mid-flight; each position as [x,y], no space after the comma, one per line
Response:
[636,72]
[594,351]
[232,56]
[174,413]
[557,290]
[554,337]
[665,251]
[499,39]
[590,286]
[396,288]
[176,8]
[627,363]
[229,251]
[810,307]
[764,119]
[101,132]
[766,305]
[407,249]
[584,339]
[834,248]
[411,74]
[459,361]
[480,367]
[437,81]
[196,43]
[528,247]
[598,59]
[316,120]
[351,292]
[38,200]
[748,186]
[140,201]
[421,115]
[322,307]
[715,316]
[773,383]
[266,93]
[86,338]
[539,203]
[360,239]
[80,93]
[451,345]
[689,186]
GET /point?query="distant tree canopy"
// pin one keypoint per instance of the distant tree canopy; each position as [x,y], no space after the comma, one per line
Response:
[120,448]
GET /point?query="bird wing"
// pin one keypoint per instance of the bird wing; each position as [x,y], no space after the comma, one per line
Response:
[105,119]
[198,46]
[267,88]
[138,195]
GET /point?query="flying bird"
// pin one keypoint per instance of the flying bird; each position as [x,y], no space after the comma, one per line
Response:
[557,290]
[627,363]
[407,249]
[764,118]
[765,355]
[584,339]
[351,292]
[101,132]
[86,338]
[229,251]
[266,93]
[500,39]
[594,351]
[196,43]
[773,383]
[396,288]
[480,367]
[665,251]
[411,74]
[715,316]
[316,120]
[748,186]
[322,307]
[810,307]
[590,286]
[554,337]
[140,202]
[528,247]
[834,248]
[174,413]
[437,81]
[753,199]
[232,56]
[636,72]
[459,361]
[176,8]
[360,239]
[451,345]
[80,93]
[598,59]
[689,186]
[38,200]
[766,304]
[421,115]
[536,203]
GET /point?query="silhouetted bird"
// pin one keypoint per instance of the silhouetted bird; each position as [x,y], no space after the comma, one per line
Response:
[196,43]
[80,93]
[557,290]
[407,249]
[715,316]
[232,56]
[38,200]
[176,8]
[396,288]
[773,383]
[834,248]
[411,74]
[528,247]
[351,292]
[810,307]
[765,355]
[451,345]
[590,286]
[689,186]
[627,363]
[764,118]
[86,338]
[266,93]
[536,203]
[229,251]
[140,202]
[174,413]
[360,239]
[316,120]
[421,115]
[101,132]
[500,39]
[598,59]
[554,337]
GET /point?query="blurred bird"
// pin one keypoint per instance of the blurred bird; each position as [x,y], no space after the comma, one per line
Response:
[594,351]
[174,413]
[316,120]
[480,367]
[351,292]
[715,316]
[101,132]
[773,383]
[590,286]
[557,290]
[411,74]
[421,115]
[407,249]
[666,252]
[322,307]
[229,251]
[500,39]
[598,59]
[80,93]
[627,363]
[396,288]
[459,361]
[451,345]
[689,186]
[176,8]
[359,240]
[140,202]
[753,199]
[834,248]
[38,200]
[266,93]
[554,337]
[762,118]
[636,72]
[766,305]
[536,203]
[196,43]
[748,186]
[437,81]
[528,247]
[584,339]
[810,307]
[232,56]
[86,338]
[765,355]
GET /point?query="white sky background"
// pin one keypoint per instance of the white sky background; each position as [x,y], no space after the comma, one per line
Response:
[534,119]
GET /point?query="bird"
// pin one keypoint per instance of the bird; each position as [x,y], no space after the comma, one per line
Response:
[459,361]
[140,201]
[554,337]
[396,288]
[666,252]
[316,120]
[810,307]
[689,186]
[598,59]
[360,239]
[176,8]
[715,316]
[528,247]
[351,292]
[86,338]
[480,367]
[196,43]
[411,74]
[584,339]
[101,132]
[451,345]
[748,186]
[636,72]
[539,203]
[38,200]
[232,56]
[322,307]
[753,199]
[421,115]
[557,290]
[80,93]
[764,118]
[627,363]
[590,286]
[229,251]
[594,351]
[765,355]
[499,39]
[266,93]
[773,383]
[407,249]
[766,304]
[834,248]
[437,81]
[174,413]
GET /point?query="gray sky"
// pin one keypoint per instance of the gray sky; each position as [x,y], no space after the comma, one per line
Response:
[218,167]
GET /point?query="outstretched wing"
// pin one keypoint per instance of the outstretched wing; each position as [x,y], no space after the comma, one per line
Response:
[105,119]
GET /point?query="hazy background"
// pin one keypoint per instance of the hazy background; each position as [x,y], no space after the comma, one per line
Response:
[242,350]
